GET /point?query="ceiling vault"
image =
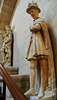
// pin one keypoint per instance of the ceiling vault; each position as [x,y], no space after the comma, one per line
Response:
[6,11]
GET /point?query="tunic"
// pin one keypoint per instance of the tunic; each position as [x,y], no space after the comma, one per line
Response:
[40,42]
[40,45]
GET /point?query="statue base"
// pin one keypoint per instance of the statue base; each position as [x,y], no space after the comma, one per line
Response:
[49,95]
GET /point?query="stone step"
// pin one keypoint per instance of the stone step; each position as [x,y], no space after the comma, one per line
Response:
[12,70]
[22,81]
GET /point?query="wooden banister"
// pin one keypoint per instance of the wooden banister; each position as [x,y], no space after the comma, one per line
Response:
[14,89]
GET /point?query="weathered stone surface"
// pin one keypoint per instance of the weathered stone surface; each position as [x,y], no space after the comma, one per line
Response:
[48,96]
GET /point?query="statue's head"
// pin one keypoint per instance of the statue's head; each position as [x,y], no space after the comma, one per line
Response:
[8,28]
[33,5]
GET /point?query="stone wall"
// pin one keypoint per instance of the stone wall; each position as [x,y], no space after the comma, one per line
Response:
[20,25]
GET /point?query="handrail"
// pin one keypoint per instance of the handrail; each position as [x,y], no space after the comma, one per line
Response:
[14,89]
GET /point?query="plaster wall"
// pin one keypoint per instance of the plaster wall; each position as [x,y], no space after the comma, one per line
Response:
[20,25]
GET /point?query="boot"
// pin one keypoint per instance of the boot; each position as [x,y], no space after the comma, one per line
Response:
[31,91]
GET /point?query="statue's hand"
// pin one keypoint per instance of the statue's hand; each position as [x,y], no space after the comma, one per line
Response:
[35,28]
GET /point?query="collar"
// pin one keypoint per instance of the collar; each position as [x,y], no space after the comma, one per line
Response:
[35,19]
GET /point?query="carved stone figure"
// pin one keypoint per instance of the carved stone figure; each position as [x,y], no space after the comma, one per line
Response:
[2,55]
[7,44]
[40,54]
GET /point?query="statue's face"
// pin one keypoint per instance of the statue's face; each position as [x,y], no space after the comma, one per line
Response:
[34,13]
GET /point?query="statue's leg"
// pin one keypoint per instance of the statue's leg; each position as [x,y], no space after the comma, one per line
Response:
[44,76]
[53,76]
[9,55]
[31,91]
[49,88]
[52,80]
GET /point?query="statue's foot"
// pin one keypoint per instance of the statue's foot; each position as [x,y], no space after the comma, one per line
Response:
[40,95]
[54,92]
[30,92]
[48,88]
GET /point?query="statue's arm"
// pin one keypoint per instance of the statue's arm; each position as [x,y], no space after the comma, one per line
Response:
[29,47]
[8,39]
[35,28]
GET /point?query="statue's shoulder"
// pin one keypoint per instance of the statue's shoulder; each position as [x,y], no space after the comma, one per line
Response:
[40,20]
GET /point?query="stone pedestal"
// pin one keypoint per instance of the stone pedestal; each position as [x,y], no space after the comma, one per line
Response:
[47,98]
[49,95]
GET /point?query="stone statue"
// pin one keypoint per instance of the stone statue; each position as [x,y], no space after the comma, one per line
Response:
[7,44]
[40,54]
[2,55]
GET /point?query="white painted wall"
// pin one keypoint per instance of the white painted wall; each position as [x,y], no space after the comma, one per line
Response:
[20,25]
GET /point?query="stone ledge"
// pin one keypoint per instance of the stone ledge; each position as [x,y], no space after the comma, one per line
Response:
[22,81]
[12,70]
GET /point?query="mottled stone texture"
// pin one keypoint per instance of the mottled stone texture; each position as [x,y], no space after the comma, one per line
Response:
[20,24]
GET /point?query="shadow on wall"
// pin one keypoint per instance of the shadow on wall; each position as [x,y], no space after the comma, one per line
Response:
[15,49]
[54,47]
[17,3]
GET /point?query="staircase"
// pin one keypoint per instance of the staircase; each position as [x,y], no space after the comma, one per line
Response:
[22,81]
[11,71]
